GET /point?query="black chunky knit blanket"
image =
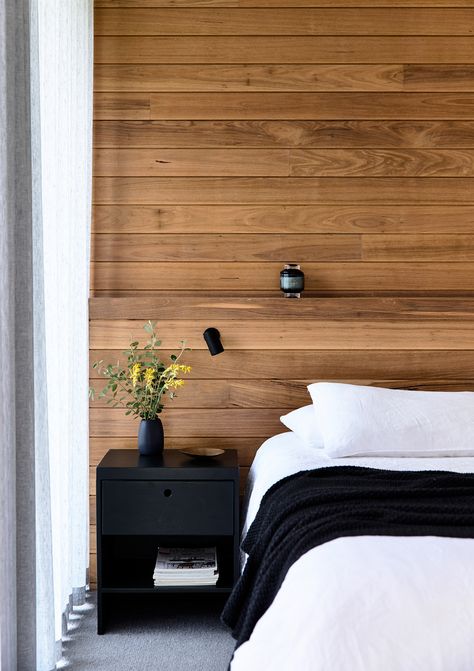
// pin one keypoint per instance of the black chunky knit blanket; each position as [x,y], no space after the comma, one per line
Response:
[310,508]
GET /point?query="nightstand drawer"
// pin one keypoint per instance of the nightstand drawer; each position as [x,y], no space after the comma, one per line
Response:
[167,507]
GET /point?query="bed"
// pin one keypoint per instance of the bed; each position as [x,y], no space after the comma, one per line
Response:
[363,603]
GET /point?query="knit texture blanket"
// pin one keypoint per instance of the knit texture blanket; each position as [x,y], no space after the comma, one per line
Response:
[310,508]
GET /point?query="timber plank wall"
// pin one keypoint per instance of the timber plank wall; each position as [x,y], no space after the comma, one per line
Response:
[233,136]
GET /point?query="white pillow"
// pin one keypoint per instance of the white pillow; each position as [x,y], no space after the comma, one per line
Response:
[304,423]
[365,421]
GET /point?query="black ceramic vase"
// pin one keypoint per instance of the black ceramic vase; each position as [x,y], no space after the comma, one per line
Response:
[151,437]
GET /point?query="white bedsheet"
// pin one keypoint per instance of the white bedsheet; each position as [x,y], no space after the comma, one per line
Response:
[368,603]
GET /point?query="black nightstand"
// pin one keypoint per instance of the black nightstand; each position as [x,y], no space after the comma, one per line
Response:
[174,500]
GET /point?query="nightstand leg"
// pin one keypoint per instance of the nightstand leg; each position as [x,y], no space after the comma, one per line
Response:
[100,614]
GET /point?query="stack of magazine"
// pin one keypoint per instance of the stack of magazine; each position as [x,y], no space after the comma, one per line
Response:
[185,566]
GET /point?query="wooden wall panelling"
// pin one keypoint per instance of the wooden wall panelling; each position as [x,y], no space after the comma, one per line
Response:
[283,49]
[325,219]
[294,21]
[282,162]
[289,190]
[295,77]
[188,306]
[311,106]
[232,136]
[256,77]
[396,277]
[323,134]
[125,4]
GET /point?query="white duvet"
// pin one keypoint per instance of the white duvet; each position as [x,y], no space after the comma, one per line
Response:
[368,603]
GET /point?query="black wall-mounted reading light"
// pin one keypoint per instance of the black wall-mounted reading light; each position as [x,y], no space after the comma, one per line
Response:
[213,340]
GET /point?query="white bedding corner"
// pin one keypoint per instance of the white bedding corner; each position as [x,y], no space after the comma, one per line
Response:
[368,603]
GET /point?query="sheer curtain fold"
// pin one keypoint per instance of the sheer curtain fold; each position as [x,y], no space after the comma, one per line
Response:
[45,194]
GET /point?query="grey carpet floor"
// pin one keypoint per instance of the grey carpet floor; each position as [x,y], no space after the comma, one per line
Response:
[169,633]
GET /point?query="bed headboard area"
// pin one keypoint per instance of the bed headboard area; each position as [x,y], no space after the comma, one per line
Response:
[234,136]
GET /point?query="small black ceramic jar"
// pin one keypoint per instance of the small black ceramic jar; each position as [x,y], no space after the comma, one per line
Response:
[292,280]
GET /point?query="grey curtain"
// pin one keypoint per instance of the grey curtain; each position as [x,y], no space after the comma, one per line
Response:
[19,237]
[36,542]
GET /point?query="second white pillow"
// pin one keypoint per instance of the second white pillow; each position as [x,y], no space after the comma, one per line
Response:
[304,423]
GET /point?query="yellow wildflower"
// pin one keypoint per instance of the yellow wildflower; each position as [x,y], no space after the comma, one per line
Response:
[135,373]
[175,383]
[149,377]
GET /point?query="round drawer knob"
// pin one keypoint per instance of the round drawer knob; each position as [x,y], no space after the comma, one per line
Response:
[167,493]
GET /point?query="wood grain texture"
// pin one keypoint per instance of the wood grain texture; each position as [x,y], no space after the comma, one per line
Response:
[193,162]
[270,219]
[348,364]
[188,306]
[280,3]
[297,77]
[124,4]
[276,394]
[294,21]
[240,248]
[292,190]
[196,423]
[311,105]
[359,134]
[282,163]
[233,394]
[418,248]
[438,77]
[301,334]
[282,49]
[381,162]
[233,276]
[174,3]
[124,106]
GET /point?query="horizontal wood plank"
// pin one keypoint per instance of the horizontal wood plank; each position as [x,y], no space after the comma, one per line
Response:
[389,248]
[201,247]
[282,162]
[280,77]
[283,49]
[124,106]
[281,3]
[221,276]
[202,306]
[285,395]
[279,21]
[311,106]
[354,364]
[193,423]
[300,334]
[381,162]
[439,77]
[358,134]
[193,162]
[187,3]
[287,191]
[230,394]
[340,219]
[326,3]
